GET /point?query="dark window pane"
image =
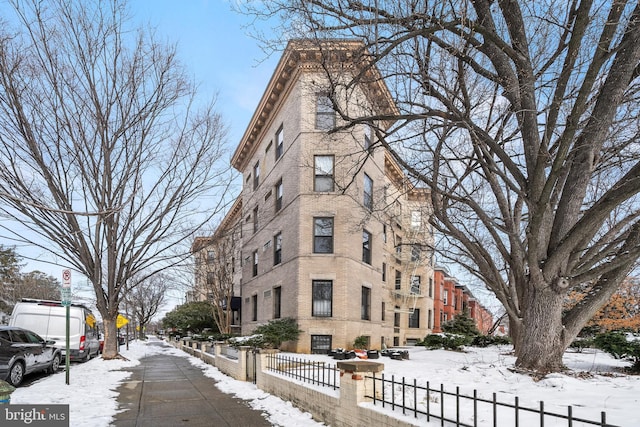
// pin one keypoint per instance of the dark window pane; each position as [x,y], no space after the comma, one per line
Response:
[322,294]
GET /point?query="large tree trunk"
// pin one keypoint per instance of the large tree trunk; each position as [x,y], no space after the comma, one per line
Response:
[110,350]
[539,337]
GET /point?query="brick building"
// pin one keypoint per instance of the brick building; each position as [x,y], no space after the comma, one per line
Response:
[452,297]
[332,233]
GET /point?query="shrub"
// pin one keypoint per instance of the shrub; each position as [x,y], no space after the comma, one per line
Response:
[579,344]
[255,341]
[461,324]
[617,344]
[361,342]
[487,340]
[446,341]
[278,331]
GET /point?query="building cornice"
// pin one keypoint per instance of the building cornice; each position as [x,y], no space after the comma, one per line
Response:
[303,56]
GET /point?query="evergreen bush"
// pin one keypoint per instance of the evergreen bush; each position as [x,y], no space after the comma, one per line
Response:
[620,346]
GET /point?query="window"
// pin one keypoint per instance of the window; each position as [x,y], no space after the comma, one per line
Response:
[414,318]
[365,306]
[279,142]
[255,219]
[255,263]
[211,278]
[254,307]
[398,279]
[445,299]
[367,141]
[325,115]
[256,175]
[320,344]
[384,271]
[430,287]
[396,317]
[322,294]
[416,219]
[368,192]
[211,257]
[384,233]
[277,302]
[398,247]
[415,284]
[366,247]
[279,191]
[416,252]
[323,167]
[384,310]
[277,249]
[430,319]
[323,235]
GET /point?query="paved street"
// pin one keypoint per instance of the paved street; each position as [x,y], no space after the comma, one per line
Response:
[166,390]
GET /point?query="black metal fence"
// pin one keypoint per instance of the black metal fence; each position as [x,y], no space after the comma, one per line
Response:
[467,411]
[313,372]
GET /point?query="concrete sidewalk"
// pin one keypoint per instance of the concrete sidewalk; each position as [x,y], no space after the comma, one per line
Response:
[166,390]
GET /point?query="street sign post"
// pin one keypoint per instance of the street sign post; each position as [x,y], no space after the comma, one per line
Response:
[66,301]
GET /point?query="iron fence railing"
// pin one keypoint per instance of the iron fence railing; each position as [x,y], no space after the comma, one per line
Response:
[467,411]
[313,372]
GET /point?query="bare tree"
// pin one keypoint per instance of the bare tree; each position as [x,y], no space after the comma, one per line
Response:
[39,285]
[145,298]
[216,272]
[522,119]
[107,159]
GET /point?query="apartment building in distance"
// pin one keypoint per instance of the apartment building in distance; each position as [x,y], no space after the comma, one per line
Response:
[332,233]
[452,297]
[218,272]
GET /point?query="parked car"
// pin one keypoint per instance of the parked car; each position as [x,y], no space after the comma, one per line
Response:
[48,319]
[23,351]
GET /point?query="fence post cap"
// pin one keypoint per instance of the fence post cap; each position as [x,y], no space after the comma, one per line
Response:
[360,366]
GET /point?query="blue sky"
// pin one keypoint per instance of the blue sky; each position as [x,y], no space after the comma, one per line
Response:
[215,47]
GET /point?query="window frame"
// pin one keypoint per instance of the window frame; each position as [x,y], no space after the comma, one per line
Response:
[365,303]
[416,285]
[277,249]
[324,339]
[277,302]
[322,177]
[279,191]
[254,267]
[321,305]
[254,307]
[367,200]
[279,151]
[255,219]
[366,247]
[413,321]
[325,113]
[256,175]
[318,239]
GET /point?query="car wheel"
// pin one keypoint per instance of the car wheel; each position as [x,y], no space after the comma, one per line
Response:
[16,374]
[55,364]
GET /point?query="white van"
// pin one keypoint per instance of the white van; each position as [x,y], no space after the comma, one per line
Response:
[48,319]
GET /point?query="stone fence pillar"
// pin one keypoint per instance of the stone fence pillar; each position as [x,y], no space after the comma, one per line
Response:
[354,384]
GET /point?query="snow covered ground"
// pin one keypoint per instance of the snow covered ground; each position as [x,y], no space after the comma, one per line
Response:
[593,384]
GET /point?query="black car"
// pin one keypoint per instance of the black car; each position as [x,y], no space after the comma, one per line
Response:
[23,352]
